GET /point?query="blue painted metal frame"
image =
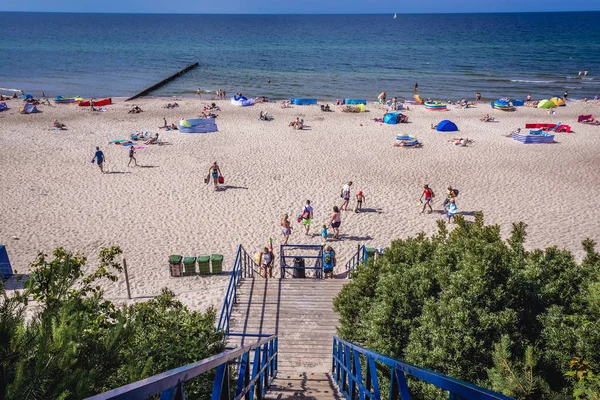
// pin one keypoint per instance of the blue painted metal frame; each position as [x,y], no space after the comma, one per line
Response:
[243,266]
[171,384]
[359,257]
[318,267]
[347,370]
[6,270]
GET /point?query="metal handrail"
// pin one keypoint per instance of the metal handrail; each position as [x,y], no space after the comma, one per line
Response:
[347,372]
[264,365]
[243,266]
[357,258]
[318,267]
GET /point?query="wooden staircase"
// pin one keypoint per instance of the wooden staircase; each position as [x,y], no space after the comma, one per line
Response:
[300,312]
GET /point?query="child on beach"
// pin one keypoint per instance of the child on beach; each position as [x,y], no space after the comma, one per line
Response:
[267,262]
[451,210]
[324,233]
[99,158]
[428,194]
[359,201]
[307,215]
[132,157]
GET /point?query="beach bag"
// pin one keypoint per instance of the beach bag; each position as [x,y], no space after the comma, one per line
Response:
[299,218]
[455,191]
[221,180]
[305,214]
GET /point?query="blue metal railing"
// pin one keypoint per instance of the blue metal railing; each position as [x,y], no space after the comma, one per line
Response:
[243,266]
[318,264]
[359,257]
[257,369]
[347,371]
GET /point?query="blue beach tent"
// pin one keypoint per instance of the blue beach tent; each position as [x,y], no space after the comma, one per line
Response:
[446,126]
[5,267]
[391,118]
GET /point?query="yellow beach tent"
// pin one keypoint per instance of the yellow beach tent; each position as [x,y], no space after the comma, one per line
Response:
[558,101]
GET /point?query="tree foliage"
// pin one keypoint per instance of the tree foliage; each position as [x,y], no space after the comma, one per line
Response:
[78,344]
[479,308]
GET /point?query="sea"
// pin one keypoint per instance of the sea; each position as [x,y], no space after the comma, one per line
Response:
[450,56]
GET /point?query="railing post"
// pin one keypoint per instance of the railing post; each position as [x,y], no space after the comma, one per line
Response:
[221,385]
[358,376]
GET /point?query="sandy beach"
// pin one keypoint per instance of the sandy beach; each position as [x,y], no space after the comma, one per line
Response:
[53,196]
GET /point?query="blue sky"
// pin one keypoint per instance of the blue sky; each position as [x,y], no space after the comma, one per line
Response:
[298,6]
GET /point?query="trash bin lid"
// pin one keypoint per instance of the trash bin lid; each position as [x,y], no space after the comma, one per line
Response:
[175,259]
[189,260]
[203,258]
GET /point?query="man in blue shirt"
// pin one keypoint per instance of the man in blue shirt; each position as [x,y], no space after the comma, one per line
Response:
[99,158]
[329,262]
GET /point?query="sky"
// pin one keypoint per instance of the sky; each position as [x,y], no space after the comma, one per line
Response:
[298,6]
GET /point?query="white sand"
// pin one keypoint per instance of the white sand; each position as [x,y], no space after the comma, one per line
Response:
[53,196]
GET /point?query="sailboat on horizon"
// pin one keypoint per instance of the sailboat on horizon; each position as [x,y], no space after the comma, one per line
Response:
[395,16]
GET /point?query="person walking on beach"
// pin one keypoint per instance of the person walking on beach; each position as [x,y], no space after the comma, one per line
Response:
[266,262]
[215,173]
[360,197]
[345,194]
[451,210]
[99,158]
[329,262]
[416,86]
[335,221]
[307,215]
[428,194]
[477,97]
[199,92]
[286,228]
[132,157]
[452,193]
[565,95]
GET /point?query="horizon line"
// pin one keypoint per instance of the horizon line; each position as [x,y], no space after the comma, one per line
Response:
[292,14]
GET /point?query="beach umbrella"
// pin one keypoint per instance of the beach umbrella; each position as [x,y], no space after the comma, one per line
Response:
[546,104]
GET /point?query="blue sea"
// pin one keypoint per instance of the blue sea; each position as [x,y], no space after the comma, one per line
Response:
[451,56]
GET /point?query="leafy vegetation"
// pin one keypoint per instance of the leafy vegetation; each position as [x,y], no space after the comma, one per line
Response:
[482,309]
[78,344]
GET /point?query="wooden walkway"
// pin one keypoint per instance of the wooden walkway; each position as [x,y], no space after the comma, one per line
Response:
[301,312]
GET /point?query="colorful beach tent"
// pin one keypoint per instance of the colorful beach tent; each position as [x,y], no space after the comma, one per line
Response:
[355,101]
[203,125]
[3,107]
[558,101]
[446,126]
[546,104]
[28,109]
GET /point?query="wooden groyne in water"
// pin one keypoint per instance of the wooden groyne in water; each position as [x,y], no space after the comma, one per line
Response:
[163,82]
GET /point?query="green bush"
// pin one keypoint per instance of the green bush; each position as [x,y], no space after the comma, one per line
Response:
[78,344]
[479,308]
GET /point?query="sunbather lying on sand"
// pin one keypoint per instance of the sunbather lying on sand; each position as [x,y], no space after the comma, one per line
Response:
[516,132]
[297,124]
[153,139]
[58,125]
[487,118]
[285,104]
[462,142]
[135,110]
[174,105]
[590,121]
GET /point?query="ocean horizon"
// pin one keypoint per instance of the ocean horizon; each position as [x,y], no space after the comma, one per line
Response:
[324,56]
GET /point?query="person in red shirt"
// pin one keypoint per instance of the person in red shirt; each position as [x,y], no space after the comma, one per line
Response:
[428,194]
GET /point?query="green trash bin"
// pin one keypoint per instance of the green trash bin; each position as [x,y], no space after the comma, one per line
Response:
[175,265]
[189,266]
[217,263]
[204,265]
[370,252]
